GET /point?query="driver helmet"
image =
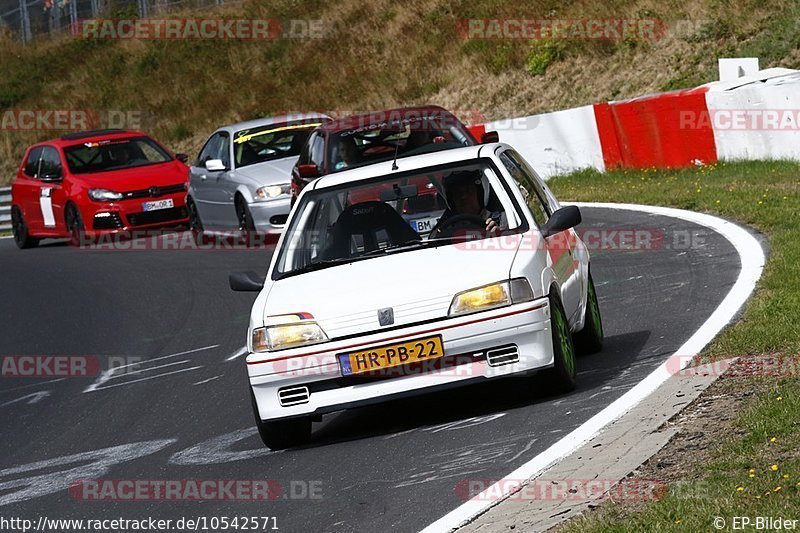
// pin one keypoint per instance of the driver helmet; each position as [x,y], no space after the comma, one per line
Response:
[461,178]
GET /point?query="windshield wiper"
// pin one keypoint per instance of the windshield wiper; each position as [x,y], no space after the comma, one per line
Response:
[319,265]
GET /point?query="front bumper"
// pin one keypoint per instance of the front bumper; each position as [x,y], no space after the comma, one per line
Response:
[467,342]
[270,216]
[129,215]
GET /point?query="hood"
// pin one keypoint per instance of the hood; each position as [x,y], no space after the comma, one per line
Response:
[137,178]
[419,285]
[269,172]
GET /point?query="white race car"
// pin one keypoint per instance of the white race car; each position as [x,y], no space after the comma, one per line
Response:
[358,307]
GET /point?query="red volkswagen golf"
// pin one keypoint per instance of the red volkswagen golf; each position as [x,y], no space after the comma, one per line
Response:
[96,182]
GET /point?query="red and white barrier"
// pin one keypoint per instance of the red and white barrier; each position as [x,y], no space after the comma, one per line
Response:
[557,142]
[754,117]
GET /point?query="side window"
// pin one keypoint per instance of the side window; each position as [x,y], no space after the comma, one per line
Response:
[210,150]
[530,189]
[32,164]
[51,163]
[305,153]
[224,150]
[318,151]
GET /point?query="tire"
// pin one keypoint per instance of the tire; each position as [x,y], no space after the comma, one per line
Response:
[195,223]
[19,229]
[74,225]
[246,223]
[562,377]
[281,434]
[590,338]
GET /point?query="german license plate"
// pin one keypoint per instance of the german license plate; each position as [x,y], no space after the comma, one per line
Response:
[158,204]
[391,355]
[424,225]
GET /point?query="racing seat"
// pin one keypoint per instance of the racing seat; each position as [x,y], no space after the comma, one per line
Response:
[249,155]
[368,225]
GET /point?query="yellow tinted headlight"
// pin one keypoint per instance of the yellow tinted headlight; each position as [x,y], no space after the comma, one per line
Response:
[292,335]
[490,296]
[480,299]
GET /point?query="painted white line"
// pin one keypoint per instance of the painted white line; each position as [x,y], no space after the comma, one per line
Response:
[148,369]
[6,237]
[35,397]
[167,356]
[207,380]
[108,375]
[752,259]
[238,353]
[41,383]
[149,377]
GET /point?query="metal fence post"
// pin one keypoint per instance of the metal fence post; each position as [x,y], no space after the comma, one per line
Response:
[25,21]
[73,15]
[55,17]
[143,8]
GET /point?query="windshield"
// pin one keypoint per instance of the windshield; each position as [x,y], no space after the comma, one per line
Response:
[410,136]
[430,207]
[114,154]
[266,143]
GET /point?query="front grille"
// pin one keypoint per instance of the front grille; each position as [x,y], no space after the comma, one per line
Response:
[154,192]
[156,217]
[107,221]
[289,396]
[502,356]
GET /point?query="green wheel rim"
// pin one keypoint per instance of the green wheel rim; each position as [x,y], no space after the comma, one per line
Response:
[566,346]
[595,310]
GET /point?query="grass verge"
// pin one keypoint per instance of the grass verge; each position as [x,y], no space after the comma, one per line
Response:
[752,467]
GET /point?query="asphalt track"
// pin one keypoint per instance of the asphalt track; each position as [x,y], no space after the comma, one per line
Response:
[178,416]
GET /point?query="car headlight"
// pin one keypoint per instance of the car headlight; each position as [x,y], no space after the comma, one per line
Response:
[289,334]
[104,195]
[271,192]
[491,296]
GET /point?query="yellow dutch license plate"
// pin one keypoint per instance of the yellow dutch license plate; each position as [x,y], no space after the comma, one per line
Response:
[391,355]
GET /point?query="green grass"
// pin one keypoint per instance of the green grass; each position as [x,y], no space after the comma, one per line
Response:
[765,196]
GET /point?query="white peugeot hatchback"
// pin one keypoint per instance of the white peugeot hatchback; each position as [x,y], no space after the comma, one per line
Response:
[359,307]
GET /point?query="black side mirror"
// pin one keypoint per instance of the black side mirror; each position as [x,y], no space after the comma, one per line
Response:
[183,158]
[490,137]
[245,281]
[563,219]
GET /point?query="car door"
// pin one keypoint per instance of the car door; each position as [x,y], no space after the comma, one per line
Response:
[52,196]
[26,190]
[204,182]
[226,184]
[561,246]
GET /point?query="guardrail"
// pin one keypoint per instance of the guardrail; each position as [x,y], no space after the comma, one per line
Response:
[5,209]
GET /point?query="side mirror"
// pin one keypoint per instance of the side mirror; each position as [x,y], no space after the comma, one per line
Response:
[563,219]
[215,165]
[245,282]
[183,158]
[308,171]
[490,137]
